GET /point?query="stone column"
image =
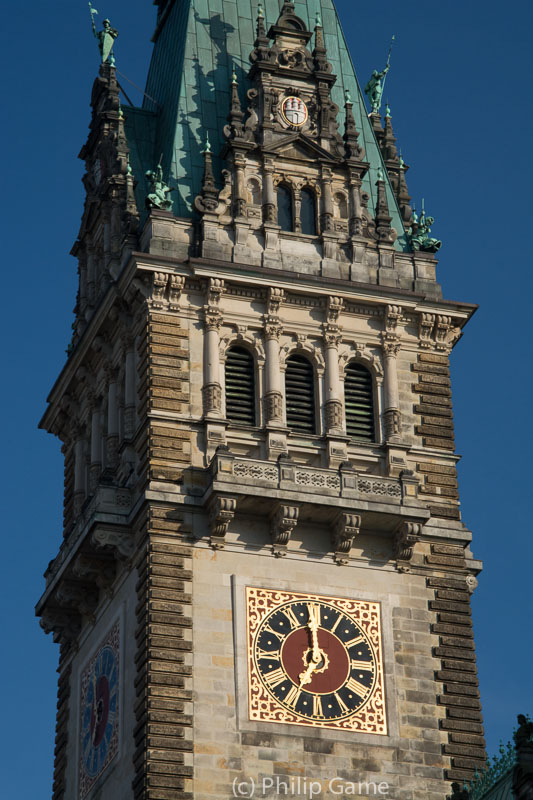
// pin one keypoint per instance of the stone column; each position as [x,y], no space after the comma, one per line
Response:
[112,419]
[333,404]
[130,380]
[269,201]
[79,470]
[332,336]
[96,444]
[391,398]
[273,395]
[240,191]
[327,201]
[212,390]
[356,215]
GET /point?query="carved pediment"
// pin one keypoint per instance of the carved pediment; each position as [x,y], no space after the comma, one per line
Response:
[299,146]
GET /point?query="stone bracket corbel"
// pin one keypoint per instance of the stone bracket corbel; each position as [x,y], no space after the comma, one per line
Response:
[122,542]
[407,535]
[345,528]
[64,625]
[283,520]
[77,596]
[100,570]
[221,510]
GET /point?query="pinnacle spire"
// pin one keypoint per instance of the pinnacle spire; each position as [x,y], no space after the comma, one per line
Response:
[351,134]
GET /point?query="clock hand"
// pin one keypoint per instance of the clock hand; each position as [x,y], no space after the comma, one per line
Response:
[95,708]
[316,652]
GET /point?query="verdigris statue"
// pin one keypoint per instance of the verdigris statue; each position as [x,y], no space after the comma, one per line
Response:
[159,194]
[419,233]
[376,84]
[106,37]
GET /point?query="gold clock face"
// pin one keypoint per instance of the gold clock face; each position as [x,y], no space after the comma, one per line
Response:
[315,660]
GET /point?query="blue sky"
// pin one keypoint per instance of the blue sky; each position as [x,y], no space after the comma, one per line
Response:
[462,113]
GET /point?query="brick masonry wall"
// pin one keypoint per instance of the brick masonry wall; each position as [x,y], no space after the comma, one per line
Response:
[458,672]
[163,733]
[61,739]
[434,406]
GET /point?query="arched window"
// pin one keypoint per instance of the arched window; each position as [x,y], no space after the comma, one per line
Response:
[308,212]
[240,386]
[359,402]
[300,395]
[285,215]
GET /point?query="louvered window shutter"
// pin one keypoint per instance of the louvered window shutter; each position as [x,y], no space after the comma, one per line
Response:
[359,402]
[300,395]
[240,386]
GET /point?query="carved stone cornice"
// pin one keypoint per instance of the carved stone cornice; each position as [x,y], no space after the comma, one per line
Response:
[345,528]
[215,290]
[334,308]
[274,301]
[425,329]
[283,520]
[407,535]
[79,596]
[393,315]
[176,285]
[221,510]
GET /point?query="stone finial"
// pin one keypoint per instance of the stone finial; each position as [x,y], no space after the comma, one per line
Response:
[383,218]
[351,134]
[235,129]
[207,201]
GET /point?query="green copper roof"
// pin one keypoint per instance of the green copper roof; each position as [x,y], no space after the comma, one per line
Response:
[195,52]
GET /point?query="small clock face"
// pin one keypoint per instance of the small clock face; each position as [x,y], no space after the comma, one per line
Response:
[294,111]
[315,660]
[99,712]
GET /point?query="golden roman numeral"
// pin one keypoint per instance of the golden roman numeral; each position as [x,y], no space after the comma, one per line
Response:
[357,640]
[314,613]
[275,678]
[355,686]
[268,629]
[344,708]
[339,618]
[292,697]
[293,619]
[265,654]
[368,665]
[317,706]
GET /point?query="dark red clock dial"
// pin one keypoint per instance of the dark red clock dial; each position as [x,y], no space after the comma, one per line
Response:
[333,669]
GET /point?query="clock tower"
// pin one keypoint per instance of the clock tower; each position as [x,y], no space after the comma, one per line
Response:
[264,583]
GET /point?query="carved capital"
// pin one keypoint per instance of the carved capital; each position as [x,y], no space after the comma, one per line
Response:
[273,328]
[443,325]
[212,318]
[391,348]
[283,520]
[221,511]
[345,528]
[332,335]
[407,535]
[121,542]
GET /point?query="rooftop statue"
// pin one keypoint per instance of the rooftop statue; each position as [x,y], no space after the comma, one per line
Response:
[419,233]
[524,733]
[106,37]
[159,194]
[376,84]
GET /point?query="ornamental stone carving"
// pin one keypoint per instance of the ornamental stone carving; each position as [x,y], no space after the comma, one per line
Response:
[346,527]
[122,542]
[273,407]
[221,511]
[212,398]
[282,523]
[405,539]
[334,417]
[425,329]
